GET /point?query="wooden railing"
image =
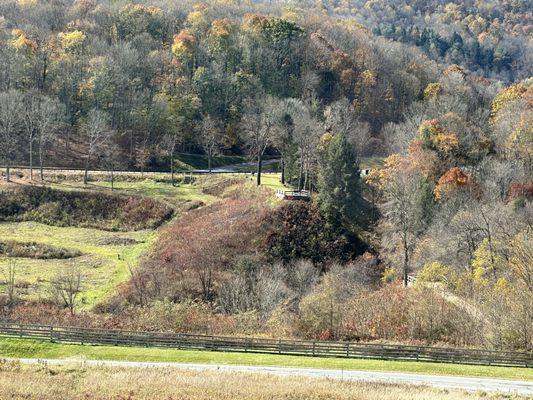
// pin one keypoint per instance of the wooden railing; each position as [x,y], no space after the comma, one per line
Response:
[293,194]
[261,345]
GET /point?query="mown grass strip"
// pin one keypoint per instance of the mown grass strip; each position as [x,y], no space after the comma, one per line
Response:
[17,348]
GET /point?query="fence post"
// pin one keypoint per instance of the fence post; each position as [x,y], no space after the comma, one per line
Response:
[118,337]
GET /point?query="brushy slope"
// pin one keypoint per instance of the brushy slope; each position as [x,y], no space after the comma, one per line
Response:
[86,209]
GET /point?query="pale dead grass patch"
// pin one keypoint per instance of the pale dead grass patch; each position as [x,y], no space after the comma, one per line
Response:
[98,383]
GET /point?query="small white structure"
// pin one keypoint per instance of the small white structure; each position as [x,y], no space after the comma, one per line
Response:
[293,194]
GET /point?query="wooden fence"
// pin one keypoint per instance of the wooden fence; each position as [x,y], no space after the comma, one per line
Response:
[61,170]
[271,346]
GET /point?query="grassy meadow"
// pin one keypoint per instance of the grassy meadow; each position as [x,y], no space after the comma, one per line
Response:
[106,256]
[104,261]
[77,381]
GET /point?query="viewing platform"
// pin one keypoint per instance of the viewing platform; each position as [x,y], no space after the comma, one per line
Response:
[304,195]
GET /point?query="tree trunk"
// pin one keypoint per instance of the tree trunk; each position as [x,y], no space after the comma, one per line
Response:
[282,172]
[86,174]
[300,175]
[31,159]
[112,178]
[172,164]
[405,261]
[209,161]
[44,73]
[8,172]
[41,162]
[259,168]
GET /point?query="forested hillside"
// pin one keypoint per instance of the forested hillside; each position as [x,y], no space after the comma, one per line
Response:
[492,38]
[442,92]
[195,77]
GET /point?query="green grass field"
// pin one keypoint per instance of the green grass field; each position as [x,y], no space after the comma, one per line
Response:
[22,348]
[158,189]
[268,180]
[103,266]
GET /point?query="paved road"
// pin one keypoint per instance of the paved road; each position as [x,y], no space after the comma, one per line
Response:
[251,166]
[447,382]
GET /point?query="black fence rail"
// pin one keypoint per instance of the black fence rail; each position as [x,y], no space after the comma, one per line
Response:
[271,346]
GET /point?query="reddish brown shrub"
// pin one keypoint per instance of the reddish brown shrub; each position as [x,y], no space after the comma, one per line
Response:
[193,252]
[521,190]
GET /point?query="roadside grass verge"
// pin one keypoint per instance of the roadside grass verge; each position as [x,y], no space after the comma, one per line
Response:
[76,381]
[21,348]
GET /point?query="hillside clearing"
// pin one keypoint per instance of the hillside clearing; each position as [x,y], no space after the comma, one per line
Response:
[103,266]
[103,257]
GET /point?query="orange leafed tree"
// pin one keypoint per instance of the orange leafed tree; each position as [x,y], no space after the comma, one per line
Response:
[183,44]
[451,181]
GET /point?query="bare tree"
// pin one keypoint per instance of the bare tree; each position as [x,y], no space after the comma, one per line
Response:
[210,138]
[97,132]
[112,156]
[404,215]
[10,118]
[31,107]
[259,125]
[66,286]
[142,155]
[170,142]
[139,282]
[341,118]
[42,118]
[307,130]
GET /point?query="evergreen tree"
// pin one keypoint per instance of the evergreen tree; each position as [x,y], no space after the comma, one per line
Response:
[338,179]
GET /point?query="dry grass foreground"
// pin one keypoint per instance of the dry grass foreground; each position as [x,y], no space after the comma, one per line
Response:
[46,382]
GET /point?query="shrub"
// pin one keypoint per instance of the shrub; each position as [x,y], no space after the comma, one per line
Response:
[298,230]
[36,250]
[99,210]
[194,252]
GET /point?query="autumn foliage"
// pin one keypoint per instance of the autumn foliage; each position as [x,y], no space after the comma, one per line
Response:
[193,253]
[454,179]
